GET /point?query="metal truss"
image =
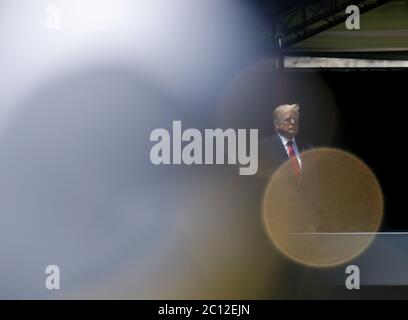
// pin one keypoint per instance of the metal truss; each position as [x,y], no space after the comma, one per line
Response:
[304,21]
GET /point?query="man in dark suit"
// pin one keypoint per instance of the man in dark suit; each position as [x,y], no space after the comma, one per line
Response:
[284,145]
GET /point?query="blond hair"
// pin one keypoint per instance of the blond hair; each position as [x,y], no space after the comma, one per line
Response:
[283,108]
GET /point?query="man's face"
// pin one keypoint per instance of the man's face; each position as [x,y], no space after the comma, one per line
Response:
[288,123]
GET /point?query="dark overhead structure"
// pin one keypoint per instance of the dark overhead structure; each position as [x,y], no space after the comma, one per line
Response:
[316,29]
[312,17]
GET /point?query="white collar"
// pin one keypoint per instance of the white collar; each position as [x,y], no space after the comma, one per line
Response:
[286,140]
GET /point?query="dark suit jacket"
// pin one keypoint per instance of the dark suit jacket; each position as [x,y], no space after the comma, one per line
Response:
[272,153]
[293,194]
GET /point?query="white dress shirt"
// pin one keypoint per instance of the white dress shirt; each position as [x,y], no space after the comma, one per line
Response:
[295,148]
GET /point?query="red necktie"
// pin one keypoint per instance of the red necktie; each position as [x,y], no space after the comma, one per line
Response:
[293,159]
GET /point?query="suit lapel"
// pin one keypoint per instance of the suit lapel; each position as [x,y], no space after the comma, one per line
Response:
[279,145]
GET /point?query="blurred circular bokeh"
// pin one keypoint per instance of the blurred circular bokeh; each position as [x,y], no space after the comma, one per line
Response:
[328,217]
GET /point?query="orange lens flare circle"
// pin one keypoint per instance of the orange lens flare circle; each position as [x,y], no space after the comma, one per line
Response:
[328,217]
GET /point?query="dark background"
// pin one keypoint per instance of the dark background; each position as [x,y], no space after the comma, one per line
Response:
[357,110]
[371,125]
